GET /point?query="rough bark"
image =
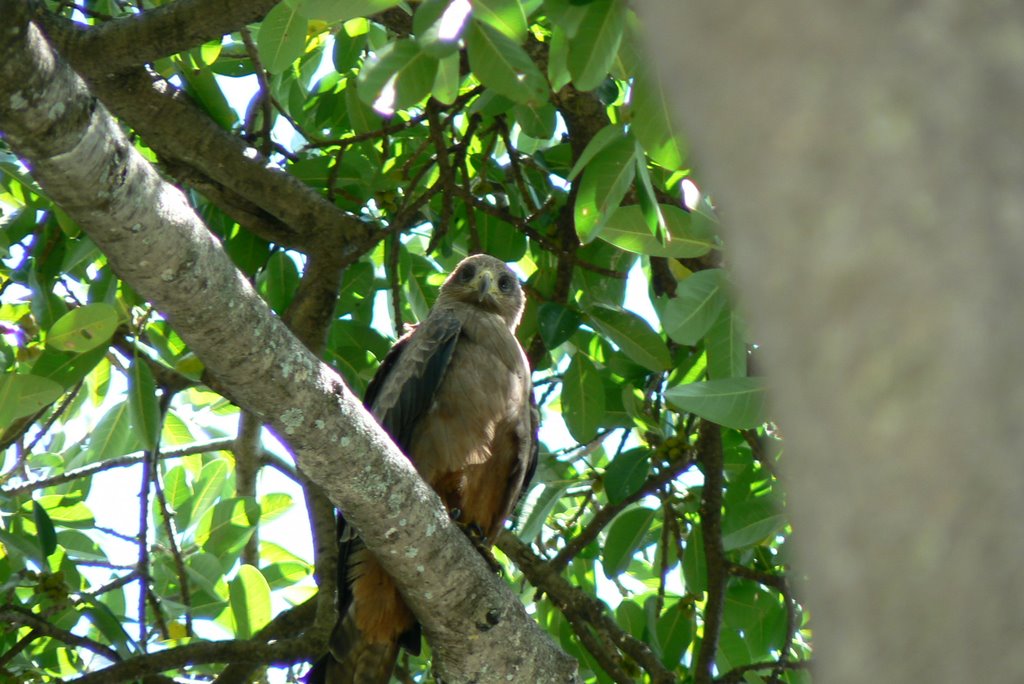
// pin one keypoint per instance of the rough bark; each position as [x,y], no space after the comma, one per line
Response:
[867,160]
[478,629]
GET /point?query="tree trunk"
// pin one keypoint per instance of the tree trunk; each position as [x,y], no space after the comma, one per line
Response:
[867,161]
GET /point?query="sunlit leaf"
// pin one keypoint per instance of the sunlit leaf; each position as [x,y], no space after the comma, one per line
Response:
[652,122]
[400,75]
[502,65]
[338,10]
[282,37]
[113,435]
[627,228]
[633,335]
[605,182]
[732,402]
[592,50]
[250,601]
[698,303]
[84,328]
[505,15]
[22,395]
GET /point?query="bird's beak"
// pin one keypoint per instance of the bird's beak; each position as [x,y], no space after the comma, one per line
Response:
[484,285]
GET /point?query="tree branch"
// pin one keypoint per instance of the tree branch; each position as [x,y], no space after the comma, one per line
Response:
[19,616]
[159,32]
[156,243]
[709,453]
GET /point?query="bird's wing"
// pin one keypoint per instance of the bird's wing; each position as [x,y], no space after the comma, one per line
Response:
[405,384]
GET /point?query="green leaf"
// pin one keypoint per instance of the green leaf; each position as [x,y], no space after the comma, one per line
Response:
[558,56]
[652,122]
[557,323]
[602,139]
[538,507]
[633,335]
[278,281]
[112,436]
[67,368]
[675,632]
[209,487]
[536,122]
[582,399]
[109,625]
[503,66]
[652,213]
[282,38]
[626,474]
[698,303]
[448,79]
[627,228]
[334,11]
[732,402]
[274,505]
[750,522]
[505,15]
[695,564]
[227,527]
[250,601]
[202,86]
[605,182]
[625,535]
[248,251]
[46,535]
[22,395]
[594,47]
[399,76]
[726,347]
[360,115]
[84,328]
[143,407]
[500,238]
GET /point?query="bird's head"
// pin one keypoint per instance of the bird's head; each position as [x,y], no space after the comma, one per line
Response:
[483,281]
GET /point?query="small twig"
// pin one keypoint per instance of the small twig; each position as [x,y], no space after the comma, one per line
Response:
[735,675]
[118,462]
[603,517]
[70,397]
[19,616]
[143,543]
[396,287]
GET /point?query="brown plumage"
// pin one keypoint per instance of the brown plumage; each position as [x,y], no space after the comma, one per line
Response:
[455,394]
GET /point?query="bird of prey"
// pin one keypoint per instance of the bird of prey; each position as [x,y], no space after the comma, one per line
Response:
[455,395]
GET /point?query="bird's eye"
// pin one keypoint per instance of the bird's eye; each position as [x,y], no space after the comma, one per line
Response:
[466,273]
[506,283]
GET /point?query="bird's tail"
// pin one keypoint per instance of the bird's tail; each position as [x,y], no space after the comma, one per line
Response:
[364,662]
[376,622]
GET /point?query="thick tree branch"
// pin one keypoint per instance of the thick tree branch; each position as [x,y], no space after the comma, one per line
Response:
[162,31]
[582,610]
[155,242]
